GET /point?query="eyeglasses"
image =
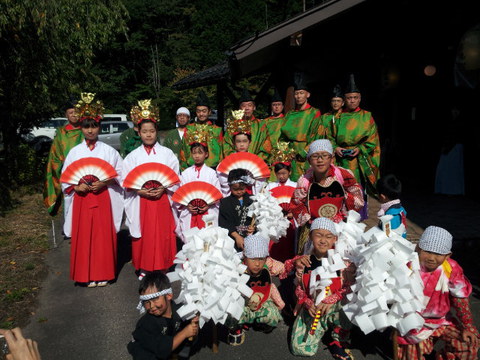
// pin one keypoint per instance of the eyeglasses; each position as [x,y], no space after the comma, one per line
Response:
[320,156]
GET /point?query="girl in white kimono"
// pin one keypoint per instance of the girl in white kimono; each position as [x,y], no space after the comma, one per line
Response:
[93,211]
[189,216]
[149,215]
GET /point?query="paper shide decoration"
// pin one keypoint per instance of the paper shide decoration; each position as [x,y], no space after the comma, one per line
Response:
[388,289]
[269,218]
[212,276]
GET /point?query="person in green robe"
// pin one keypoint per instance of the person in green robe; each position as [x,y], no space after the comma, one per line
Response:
[299,126]
[260,143]
[355,139]
[66,137]
[173,138]
[274,123]
[328,119]
[213,135]
[277,118]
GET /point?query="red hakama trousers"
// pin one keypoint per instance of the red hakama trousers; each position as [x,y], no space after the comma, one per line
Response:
[157,247]
[93,252]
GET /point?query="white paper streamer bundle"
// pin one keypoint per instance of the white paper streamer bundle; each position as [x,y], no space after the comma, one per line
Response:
[387,292]
[270,221]
[212,275]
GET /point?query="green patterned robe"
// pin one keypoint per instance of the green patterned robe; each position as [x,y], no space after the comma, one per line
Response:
[299,128]
[215,146]
[63,142]
[358,130]
[260,144]
[173,141]
[326,121]
[305,344]
[274,126]
[129,141]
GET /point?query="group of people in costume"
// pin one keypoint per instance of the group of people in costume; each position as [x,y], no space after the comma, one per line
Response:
[327,162]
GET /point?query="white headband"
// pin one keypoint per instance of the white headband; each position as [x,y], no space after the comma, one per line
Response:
[247,179]
[151,296]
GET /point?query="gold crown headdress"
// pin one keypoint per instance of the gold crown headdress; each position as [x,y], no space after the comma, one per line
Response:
[200,133]
[283,153]
[86,108]
[143,111]
[237,124]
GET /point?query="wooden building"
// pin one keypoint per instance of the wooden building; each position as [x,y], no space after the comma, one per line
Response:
[410,60]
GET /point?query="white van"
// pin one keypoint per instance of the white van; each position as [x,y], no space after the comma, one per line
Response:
[115,117]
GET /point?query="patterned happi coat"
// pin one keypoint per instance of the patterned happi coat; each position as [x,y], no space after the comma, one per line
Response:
[357,129]
[215,145]
[66,138]
[441,287]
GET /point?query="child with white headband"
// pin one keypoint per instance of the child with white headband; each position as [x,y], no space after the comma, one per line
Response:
[319,299]
[262,309]
[325,190]
[445,287]
[160,332]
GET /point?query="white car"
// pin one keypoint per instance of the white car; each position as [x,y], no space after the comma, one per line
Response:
[48,127]
[115,117]
[110,132]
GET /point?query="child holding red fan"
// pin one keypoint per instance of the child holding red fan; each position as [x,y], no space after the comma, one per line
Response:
[201,179]
[148,205]
[93,200]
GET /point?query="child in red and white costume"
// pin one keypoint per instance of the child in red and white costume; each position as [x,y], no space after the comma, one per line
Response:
[188,217]
[445,287]
[93,209]
[149,215]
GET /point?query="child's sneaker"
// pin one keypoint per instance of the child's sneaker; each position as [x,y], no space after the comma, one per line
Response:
[236,337]
[339,352]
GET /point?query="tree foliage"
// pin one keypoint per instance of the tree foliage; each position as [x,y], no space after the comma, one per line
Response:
[46,51]
[123,50]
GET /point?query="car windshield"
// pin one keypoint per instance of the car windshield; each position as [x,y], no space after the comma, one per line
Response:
[53,124]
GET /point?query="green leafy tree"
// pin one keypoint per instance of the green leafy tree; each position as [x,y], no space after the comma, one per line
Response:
[46,50]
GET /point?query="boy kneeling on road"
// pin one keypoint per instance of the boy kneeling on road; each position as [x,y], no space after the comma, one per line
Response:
[160,332]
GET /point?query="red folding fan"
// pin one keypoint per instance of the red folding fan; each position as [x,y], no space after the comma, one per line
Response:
[245,160]
[145,174]
[88,170]
[198,193]
[283,194]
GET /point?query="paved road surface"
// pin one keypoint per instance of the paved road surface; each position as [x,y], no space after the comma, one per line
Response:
[73,322]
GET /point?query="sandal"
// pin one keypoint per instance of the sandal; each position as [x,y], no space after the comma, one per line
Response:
[92,284]
[339,352]
[102,283]
[141,276]
[236,337]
